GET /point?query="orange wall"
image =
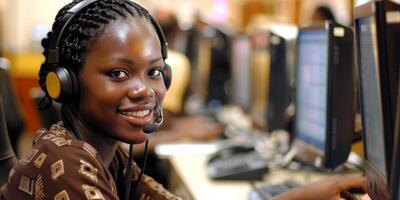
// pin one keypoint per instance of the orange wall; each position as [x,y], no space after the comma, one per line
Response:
[24,71]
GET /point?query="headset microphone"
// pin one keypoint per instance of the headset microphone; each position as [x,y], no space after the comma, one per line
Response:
[150,128]
[153,127]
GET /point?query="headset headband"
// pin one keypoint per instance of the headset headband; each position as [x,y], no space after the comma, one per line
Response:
[52,52]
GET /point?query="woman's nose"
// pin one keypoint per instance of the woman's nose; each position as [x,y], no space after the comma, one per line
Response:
[139,90]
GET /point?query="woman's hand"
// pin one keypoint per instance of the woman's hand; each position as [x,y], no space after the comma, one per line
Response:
[332,188]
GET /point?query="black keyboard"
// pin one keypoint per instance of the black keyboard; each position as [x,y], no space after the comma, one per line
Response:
[268,191]
[242,164]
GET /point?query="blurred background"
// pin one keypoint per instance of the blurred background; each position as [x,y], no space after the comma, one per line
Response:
[229,58]
[212,84]
[23,23]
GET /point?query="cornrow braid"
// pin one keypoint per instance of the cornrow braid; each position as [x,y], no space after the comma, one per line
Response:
[84,30]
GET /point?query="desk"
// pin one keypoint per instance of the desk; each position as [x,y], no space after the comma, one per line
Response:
[193,182]
[190,181]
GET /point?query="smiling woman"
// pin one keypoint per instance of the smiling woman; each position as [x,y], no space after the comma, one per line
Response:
[105,64]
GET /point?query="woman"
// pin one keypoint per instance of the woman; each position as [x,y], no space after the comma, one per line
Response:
[116,54]
[115,51]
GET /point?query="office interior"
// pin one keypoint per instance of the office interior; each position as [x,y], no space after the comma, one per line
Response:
[234,48]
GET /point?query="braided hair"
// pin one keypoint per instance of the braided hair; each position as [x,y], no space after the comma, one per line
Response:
[84,29]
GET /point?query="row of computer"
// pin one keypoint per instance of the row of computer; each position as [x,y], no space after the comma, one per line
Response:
[337,74]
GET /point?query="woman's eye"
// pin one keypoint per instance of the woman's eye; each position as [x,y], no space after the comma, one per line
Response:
[118,74]
[155,72]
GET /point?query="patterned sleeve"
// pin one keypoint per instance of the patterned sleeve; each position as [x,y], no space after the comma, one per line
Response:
[61,170]
[149,189]
[75,173]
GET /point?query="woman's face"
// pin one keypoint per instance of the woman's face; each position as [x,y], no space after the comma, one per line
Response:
[121,83]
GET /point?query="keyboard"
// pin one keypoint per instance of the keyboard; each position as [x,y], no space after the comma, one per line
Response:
[237,163]
[268,191]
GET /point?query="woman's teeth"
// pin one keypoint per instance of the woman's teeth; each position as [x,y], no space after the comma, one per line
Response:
[141,113]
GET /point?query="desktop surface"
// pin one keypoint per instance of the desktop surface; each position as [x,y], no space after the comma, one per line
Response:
[192,170]
[195,184]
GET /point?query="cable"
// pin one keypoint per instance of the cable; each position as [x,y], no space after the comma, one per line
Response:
[128,187]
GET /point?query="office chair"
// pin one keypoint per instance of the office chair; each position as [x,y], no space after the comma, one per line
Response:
[7,156]
[12,110]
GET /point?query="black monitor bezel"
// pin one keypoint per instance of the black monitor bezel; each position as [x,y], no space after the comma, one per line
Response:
[283,118]
[378,183]
[395,170]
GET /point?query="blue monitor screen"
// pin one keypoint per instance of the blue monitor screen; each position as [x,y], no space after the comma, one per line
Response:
[311,101]
[371,102]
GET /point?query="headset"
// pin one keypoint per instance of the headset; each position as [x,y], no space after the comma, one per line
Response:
[60,83]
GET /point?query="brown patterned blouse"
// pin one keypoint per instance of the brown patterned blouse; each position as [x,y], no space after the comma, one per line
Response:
[60,167]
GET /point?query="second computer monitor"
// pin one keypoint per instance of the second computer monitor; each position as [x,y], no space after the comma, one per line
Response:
[324,95]
[377,25]
[260,78]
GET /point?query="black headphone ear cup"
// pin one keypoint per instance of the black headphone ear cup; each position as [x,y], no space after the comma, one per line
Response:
[167,75]
[62,85]
[74,86]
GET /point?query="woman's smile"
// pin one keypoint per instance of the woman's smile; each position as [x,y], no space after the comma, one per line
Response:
[137,117]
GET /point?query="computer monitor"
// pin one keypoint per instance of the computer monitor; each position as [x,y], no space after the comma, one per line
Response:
[279,92]
[210,71]
[377,38]
[219,72]
[240,69]
[260,78]
[324,95]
